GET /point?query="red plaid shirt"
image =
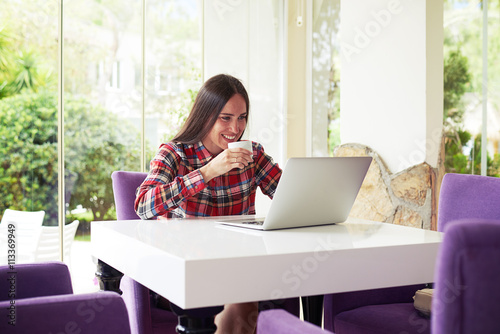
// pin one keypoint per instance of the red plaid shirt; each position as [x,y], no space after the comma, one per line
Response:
[175,187]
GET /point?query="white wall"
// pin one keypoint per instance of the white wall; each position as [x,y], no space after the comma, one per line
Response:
[391,78]
[245,38]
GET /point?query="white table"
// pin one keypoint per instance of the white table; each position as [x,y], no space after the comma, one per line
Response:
[198,263]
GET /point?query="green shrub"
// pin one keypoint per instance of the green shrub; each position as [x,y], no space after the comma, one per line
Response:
[96,143]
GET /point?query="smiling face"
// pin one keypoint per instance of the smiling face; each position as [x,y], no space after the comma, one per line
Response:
[229,127]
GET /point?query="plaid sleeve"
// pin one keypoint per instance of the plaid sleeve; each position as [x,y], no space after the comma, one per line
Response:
[267,173]
[167,185]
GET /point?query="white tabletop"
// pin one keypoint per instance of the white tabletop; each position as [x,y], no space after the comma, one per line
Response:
[198,263]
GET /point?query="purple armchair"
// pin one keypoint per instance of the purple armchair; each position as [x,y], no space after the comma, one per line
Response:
[388,310]
[465,298]
[282,322]
[125,185]
[467,293]
[465,196]
[38,298]
[145,317]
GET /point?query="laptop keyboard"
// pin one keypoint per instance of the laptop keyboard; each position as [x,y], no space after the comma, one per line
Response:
[253,222]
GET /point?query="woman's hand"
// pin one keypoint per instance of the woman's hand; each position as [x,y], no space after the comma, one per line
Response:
[225,161]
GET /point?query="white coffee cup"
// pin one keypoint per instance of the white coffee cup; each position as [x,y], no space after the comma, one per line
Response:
[246,144]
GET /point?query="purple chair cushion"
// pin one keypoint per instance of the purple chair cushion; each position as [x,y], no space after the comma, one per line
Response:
[102,312]
[382,319]
[467,295]
[461,196]
[279,321]
[36,279]
[341,302]
[468,196]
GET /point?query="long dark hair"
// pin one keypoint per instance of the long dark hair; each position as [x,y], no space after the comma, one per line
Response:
[209,102]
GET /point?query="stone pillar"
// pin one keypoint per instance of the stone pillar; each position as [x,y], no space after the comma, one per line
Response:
[392,92]
[405,198]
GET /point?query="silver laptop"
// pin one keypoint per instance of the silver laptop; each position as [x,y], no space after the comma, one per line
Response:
[311,191]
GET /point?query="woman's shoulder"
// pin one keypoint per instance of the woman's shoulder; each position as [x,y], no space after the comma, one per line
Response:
[260,156]
[257,146]
[258,149]
[178,150]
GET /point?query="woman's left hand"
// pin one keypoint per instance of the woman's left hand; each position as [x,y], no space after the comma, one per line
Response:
[225,161]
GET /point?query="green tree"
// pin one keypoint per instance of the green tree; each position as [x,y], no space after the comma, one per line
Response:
[6,61]
[456,79]
[29,74]
[455,83]
[463,22]
[28,172]
[21,70]
[5,54]
[97,143]
[455,160]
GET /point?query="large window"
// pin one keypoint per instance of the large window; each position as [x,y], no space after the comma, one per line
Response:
[472,78]
[173,59]
[325,67]
[103,101]
[28,107]
[131,70]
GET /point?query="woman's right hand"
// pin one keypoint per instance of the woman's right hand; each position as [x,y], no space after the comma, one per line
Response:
[225,161]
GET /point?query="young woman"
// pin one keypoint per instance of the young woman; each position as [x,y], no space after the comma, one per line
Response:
[197,175]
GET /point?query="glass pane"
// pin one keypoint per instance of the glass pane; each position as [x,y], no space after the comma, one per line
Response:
[28,119]
[246,39]
[102,102]
[494,86]
[463,97]
[173,67]
[325,77]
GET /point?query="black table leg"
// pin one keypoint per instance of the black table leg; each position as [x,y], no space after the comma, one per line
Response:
[312,306]
[191,325]
[196,321]
[109,278]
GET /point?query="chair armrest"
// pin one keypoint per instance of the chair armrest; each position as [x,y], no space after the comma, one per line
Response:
[99,312]
[143,316]
[137,299]
[281,322]
[36,279]
[340,302]
[346,301]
